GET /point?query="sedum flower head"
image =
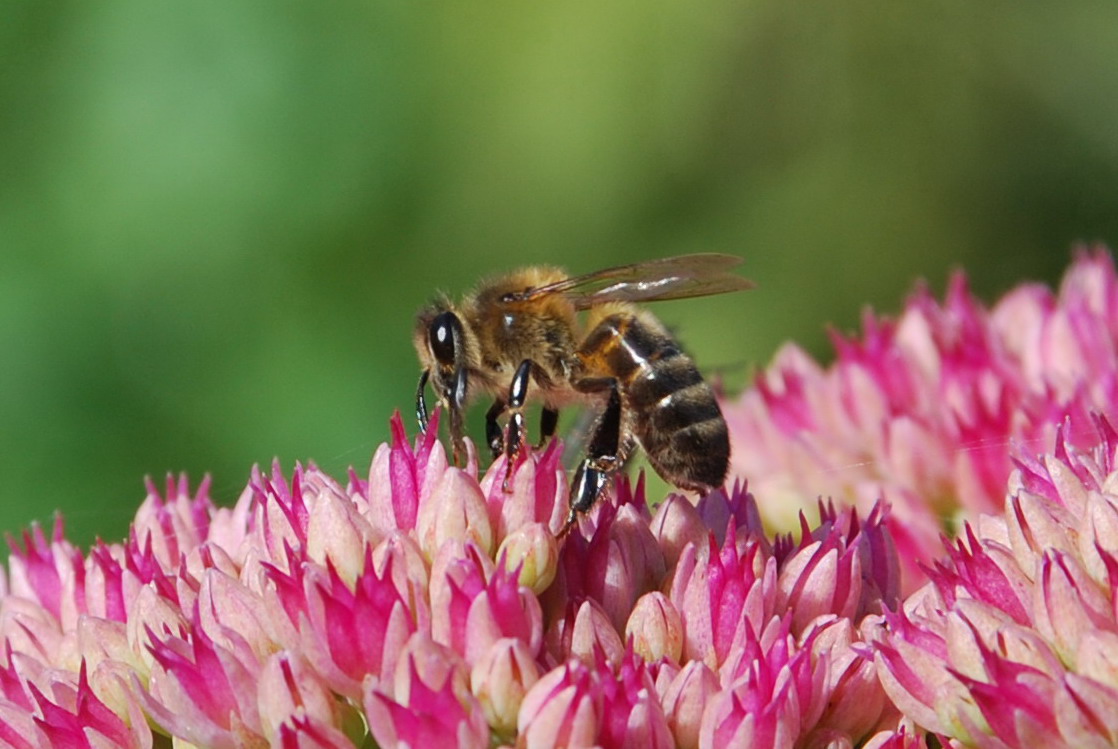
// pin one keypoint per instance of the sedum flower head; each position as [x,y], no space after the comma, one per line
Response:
[921,410]
[1014,640]
[424,603]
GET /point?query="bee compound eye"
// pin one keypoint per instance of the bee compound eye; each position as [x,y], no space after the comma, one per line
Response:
[442,333]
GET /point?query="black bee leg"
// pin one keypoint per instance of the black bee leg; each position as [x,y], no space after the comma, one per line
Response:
[549,419]
[421,401]
[604,456]
[458,444]
[492,429]
[518,393]
[456,404]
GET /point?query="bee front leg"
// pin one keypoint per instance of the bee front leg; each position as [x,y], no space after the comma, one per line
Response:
[421,401]
[518,393]
[604,455]
[492,429]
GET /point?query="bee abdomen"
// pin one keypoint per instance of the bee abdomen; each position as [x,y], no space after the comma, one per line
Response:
[682,431]
[673,410]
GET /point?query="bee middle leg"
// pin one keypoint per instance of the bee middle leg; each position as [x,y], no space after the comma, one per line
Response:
[549,420]
[514,440]
[493,434]
[605,454]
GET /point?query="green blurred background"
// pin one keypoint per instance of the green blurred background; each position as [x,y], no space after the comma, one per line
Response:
[218,219]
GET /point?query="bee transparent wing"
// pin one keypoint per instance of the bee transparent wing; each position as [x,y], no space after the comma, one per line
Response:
[678,277]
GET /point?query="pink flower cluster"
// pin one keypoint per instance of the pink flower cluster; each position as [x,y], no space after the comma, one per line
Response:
[1014,641]
[923,411]
[424,605]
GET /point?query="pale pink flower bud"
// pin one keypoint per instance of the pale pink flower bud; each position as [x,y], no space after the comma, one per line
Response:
[502,609]
[721,597]
[630,530]
[202,691]
[152,613]
[472,611]
[110,586]
[736,512]
[690,692]
[603,568]
[820,578]
[231,528]
[458,573]
[1069,605]
[402,557]
[1100,536]
[594,705]
[112,682]
[279,520]
[903,738]
[26,627]
[775,695]
[1097,657]
[1035,526]
[559,710]
[500,679]
[101,640]
[289,688]
[424,659]
[50,573]
[345,634]
[65,706]
[302,732]
[591,634]
[533,550]
[913,674]
[675,525]
[174,525]
[663,673]
[655,628]
[336,531]
[400,475]
[227,609]
[855,703]
[19,728]
[631,711]
[537,492]
[455,510]
[435,715]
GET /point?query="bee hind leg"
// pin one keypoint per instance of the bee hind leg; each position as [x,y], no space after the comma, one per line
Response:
[514,440]
[604,455]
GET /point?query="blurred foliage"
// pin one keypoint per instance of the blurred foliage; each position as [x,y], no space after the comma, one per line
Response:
[218,219]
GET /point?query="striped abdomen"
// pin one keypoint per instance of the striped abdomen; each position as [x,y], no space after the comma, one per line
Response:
[670,408]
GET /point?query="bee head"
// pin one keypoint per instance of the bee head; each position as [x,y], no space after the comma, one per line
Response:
[441,342]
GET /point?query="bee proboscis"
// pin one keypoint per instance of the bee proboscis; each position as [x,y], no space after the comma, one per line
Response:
[519,336]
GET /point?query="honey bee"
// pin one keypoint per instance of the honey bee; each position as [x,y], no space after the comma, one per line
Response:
[519,336]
